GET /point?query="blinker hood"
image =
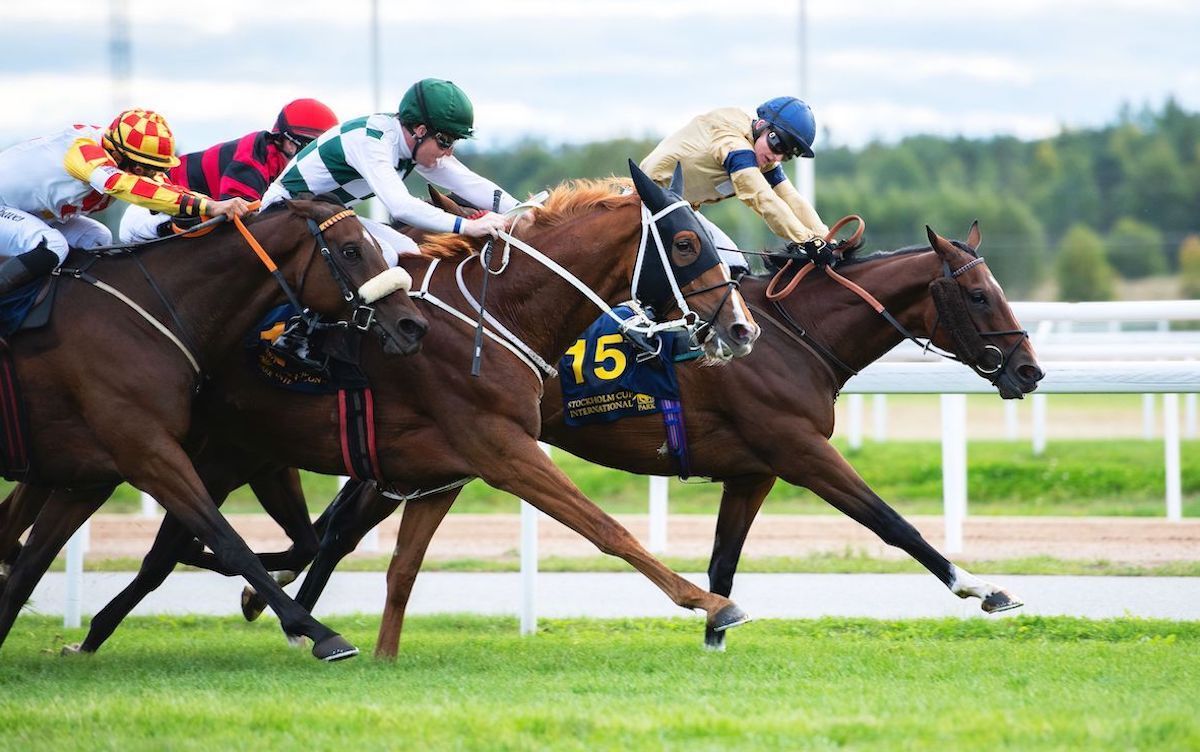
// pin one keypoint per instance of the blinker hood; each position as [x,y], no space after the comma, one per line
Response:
[653,287]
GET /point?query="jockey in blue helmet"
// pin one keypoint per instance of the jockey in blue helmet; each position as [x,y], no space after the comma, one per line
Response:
[728,152]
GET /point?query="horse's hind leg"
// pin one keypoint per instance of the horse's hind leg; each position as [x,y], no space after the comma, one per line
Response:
[829,476]
[740,502]
[420,520]
[339,509]
[62,514]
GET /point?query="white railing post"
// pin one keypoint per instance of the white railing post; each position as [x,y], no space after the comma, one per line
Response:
[954,468]
[879,415]
[1012,428]
[1039,425]
[529,562]
[658,515]
[75,549]
[1189,415]
[855,419]
[1148,416]
[1171,451]
[149,505]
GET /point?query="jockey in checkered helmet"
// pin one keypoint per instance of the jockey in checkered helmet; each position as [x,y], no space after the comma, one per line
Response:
[48,186]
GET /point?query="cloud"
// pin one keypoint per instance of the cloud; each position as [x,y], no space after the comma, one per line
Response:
[859,122]
[921,66]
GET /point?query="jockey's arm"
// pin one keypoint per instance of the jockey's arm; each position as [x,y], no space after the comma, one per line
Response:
[793,220]
[372,158]
[87,161]
[455,177]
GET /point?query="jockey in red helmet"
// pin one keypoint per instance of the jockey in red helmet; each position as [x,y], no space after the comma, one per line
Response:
[242,168]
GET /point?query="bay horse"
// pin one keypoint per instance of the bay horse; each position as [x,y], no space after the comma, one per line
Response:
[111,381]
[767,416]
[434,424]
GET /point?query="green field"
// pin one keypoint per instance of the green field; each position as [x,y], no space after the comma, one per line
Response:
[1110,477]
[471,683]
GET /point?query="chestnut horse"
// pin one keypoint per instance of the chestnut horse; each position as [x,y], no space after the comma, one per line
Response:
[111,381]
[434,423]
[768,416]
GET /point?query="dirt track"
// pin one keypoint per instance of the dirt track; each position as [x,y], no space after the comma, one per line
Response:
[1129,540]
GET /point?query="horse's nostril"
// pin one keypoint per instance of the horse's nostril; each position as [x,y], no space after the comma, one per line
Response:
[413,329]
[1030,374]
[741,333]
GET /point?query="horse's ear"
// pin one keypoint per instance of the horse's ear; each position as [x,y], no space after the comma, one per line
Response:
[676,185]
[444,202]
[651,194]
[974,236]
[933,237]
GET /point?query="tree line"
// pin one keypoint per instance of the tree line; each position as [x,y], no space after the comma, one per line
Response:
[1085,205]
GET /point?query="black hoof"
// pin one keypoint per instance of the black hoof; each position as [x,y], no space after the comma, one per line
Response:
[334,648]
[729,617]
[714,640]
[1000,601]
[252,605]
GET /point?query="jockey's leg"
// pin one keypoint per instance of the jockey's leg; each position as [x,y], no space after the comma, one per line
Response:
[84,232]
[34,246]
[730,254]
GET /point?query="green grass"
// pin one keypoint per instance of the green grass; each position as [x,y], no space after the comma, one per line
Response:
[849,561]
[1073,478]
[471,683]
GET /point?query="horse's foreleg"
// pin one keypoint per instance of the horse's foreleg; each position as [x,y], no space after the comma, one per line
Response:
[355,515]
[740,501]
[165,472]
[514,463]
[420,520]
[17,513]
[831,477]
[253,604]
[156,565]
[61,515]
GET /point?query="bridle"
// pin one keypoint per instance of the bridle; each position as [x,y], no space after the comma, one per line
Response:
[950,306]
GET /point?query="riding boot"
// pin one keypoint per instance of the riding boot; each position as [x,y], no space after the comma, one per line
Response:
[19,271]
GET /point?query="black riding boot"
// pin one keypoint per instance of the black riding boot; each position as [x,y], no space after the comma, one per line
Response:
[25,268]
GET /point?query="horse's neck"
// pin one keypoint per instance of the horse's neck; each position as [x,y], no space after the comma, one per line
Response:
[539,306]
[849,326]
[216,285]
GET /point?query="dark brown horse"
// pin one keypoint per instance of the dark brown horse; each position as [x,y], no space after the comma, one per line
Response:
[767,416]
[111,381]
[434,423]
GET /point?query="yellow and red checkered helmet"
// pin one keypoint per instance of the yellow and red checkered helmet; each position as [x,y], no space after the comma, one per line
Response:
[144,137]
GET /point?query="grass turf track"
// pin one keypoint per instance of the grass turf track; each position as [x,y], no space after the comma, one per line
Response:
[471,683]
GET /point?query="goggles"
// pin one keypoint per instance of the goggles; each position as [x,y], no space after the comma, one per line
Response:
[444,141]
[782,145]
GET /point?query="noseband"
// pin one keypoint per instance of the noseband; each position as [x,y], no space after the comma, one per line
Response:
[970,348]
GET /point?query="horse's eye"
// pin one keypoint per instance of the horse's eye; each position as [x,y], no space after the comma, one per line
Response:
[683,245]
[977,296]
[351,251]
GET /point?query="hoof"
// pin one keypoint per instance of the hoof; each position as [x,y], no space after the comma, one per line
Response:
[334,648]
[252,605]
[76,649]
[1000,600]
[714,641]
[729,617]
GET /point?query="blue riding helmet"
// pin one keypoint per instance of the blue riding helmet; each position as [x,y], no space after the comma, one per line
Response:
[794,120]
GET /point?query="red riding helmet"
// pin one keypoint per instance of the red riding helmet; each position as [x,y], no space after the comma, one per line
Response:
[302,120]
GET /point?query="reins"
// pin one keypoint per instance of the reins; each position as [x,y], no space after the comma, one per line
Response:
[962,329]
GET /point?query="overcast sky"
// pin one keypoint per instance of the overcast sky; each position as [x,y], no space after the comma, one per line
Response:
[574,70]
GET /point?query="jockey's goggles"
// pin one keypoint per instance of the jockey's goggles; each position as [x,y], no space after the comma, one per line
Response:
[444,141]
[782,144]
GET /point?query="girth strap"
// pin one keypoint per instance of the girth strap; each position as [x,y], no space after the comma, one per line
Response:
[356,429]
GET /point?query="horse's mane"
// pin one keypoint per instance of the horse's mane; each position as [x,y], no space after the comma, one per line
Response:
[853,257]
[568,199]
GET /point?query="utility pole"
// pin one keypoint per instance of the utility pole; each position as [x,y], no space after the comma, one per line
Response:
[805,178]
[119,63]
